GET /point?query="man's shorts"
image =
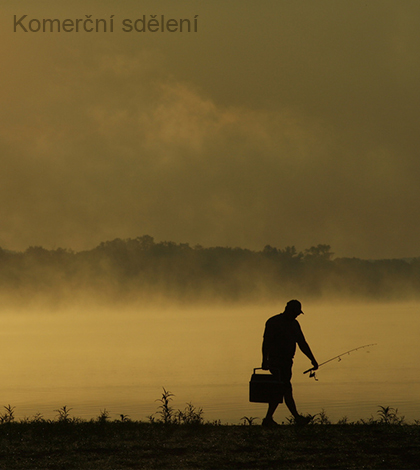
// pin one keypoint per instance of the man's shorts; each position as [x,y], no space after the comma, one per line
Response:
[284,370]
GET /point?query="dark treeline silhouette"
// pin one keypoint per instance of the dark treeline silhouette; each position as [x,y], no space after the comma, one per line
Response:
[141,267]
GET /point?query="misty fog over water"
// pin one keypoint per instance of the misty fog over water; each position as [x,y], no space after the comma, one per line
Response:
[109,327]
[90,358]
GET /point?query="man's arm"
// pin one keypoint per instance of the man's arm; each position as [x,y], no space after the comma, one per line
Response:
[264,355]
[267,339]
[304,347]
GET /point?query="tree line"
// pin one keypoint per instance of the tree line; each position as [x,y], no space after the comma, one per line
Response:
[131,268]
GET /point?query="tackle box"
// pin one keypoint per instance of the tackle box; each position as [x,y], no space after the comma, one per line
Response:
[265,387]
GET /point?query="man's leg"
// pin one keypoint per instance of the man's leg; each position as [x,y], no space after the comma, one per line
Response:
[271,409]
[272,406]
[286,374]
[290,402]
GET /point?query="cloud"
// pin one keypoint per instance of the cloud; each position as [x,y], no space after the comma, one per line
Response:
[293,127]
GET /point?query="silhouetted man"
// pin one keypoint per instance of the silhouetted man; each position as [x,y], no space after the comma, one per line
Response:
[282,333]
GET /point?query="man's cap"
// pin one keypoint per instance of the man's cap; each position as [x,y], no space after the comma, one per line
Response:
[294,304]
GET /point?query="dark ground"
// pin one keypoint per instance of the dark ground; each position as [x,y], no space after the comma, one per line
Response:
[135,445]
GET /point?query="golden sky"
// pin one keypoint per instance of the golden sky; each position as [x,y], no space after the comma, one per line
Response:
[277,122]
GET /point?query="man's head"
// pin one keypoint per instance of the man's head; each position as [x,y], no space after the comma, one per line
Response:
[293,308]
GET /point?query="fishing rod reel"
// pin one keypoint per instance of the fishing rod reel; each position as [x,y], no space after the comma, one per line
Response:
[312,374]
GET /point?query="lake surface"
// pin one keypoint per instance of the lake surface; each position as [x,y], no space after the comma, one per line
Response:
[91,358]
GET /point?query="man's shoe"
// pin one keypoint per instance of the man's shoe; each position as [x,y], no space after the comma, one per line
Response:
[303,420]
[268,422]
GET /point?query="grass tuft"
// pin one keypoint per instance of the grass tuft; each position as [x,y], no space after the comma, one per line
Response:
[8,416]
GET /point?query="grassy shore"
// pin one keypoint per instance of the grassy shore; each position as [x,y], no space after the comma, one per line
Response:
[185,441]
[181,439]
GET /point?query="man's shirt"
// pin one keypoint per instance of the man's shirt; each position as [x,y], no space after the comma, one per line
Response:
[280,337]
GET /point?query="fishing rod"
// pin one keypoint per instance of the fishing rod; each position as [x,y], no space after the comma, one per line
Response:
[312,369]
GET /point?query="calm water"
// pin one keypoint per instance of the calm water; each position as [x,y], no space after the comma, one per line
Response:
[119,359]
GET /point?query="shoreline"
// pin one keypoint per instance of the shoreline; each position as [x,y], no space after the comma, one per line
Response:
[100,444]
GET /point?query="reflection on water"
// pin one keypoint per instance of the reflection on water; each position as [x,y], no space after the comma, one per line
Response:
[119,360]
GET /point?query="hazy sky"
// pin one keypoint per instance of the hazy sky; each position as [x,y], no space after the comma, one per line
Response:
[277,122]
